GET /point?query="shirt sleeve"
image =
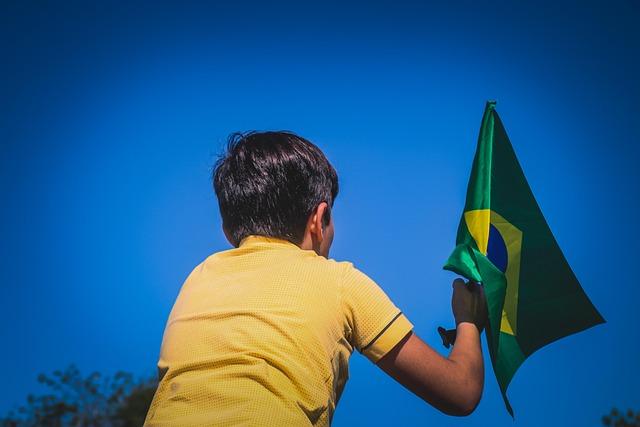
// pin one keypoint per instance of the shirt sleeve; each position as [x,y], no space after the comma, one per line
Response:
[376,325]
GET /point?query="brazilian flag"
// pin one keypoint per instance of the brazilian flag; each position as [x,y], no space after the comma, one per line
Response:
[504,242]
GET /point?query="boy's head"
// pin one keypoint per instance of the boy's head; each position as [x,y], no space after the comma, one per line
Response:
[276,184]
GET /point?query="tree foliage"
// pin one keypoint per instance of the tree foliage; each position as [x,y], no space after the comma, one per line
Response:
[122,401]
[618,418]
[92,401]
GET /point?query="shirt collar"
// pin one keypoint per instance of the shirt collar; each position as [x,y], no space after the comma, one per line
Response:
[254,239]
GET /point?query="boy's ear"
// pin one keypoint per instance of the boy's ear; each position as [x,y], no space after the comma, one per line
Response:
[316,221]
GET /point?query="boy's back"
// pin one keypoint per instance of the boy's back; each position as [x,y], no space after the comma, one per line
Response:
[261,335]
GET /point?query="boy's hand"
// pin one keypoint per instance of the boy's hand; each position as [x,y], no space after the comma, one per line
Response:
[468,303]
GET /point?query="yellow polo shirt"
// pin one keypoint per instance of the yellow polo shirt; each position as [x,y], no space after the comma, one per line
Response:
[261,335]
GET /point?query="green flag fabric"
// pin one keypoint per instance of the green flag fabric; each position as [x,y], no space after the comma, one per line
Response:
[504,242]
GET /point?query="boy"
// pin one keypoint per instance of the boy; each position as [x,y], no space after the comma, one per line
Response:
[261,334]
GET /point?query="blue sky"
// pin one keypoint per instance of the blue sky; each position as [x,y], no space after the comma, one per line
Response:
[113,114]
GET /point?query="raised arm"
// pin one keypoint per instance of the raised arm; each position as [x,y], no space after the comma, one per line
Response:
[453,384]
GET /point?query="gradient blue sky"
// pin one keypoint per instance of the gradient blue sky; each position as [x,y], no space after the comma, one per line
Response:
[113,113]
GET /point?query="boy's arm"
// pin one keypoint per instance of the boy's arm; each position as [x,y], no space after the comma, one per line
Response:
[453,384]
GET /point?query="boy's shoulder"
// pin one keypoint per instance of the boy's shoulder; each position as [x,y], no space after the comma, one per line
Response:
[295,261]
